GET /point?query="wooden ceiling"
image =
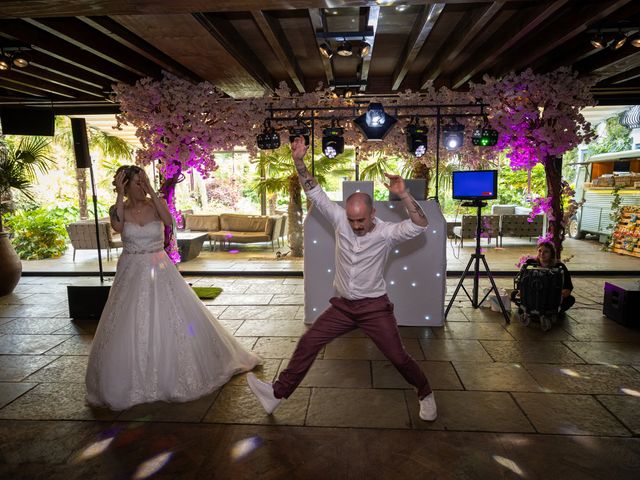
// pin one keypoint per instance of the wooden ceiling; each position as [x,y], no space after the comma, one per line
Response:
[246,47]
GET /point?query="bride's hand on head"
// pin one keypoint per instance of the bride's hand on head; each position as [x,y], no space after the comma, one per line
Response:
[145,183]
[120,182]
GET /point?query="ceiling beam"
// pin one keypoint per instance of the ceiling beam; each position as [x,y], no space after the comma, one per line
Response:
[78,33]
[119,33]
[59,67]
[276,38]
[572,23]
[48,89]
[17,87]
[623,77]
[607,66]
[223,31]
[459,44]
[47,75]
[76,8]
[420,31]
[318,24]
[372,18]
[52,45]
[505,40]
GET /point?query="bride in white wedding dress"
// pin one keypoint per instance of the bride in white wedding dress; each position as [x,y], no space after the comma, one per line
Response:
[155,340]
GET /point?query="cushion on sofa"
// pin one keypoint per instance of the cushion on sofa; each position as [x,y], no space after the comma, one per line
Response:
[503,209]
[522,211]
[246,223]
[202,223]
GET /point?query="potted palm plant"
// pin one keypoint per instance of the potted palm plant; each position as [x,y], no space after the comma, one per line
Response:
[18,166]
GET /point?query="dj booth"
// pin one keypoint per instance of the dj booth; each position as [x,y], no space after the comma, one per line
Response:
[415,272]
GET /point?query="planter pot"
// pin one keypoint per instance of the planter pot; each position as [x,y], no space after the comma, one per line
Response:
[10,266]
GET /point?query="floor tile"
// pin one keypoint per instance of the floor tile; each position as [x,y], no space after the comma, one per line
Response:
[441,375]
[241,299]
[76,345]
[266,372]
[15,368]
[70,368]
[275,347]
[279,328]
[472,330]
[32,325]
[606,352]
[237,404]
[10,391]
[588,379]
[344,407]
[602,332]
[472,411]
[447,350]
[338,374]
[254,312]
[29,344]
[532,352]
[505,377]
[287,299]
[276,288]
[192,411]
[626,408]
[535,334]
[55,401]
[569,414]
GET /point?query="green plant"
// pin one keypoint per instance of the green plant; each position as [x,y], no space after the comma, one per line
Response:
[37,234]
[18,165]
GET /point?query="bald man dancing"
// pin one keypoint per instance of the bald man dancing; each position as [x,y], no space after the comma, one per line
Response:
[363,243]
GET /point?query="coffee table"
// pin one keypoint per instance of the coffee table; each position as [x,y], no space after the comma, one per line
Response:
[190,244]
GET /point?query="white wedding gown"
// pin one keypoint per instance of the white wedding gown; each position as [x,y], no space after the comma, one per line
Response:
[156,340]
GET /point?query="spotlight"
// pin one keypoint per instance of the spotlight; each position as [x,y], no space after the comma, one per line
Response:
[453,135]
[484,135]
[5,62]
[21,59]
[332,140]
[375,123]
[299,129]
[364,49]
[417,138]
[635,40]
[618,41]
[325,50]
[598,41]
[345,49]
[269,138]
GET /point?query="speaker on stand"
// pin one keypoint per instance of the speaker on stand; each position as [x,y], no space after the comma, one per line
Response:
[87,300]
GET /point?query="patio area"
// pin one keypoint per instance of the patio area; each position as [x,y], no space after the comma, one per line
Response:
[514,402]
[580,255]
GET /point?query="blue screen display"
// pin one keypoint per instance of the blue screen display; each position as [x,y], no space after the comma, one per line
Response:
[478,184]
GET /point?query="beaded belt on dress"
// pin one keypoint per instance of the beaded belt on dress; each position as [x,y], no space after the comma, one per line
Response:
[137,252]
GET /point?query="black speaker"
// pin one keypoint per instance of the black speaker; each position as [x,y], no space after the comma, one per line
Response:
[27,121]
[80,142]
[86,302]
[622,302]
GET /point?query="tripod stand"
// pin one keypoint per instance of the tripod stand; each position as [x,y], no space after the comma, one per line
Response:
[476,257]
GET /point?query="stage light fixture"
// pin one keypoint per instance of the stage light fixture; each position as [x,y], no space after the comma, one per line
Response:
[332,140]
[417,138]
[325,50]
[484,135]
[635,40]
[5,61]
[375,123]
[365,48]
[21,59]
[345,49]
[300,129]
[618,41]
[453,135]
[598,41]
[269,138]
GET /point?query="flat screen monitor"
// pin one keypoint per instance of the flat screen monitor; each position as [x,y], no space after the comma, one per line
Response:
[475,184]
[27,121]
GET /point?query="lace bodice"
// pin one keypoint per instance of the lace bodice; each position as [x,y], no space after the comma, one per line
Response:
[145,238]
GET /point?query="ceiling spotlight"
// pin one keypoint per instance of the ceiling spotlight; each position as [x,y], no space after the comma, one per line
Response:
[375,123]
[332,140]
[5,62]
[484,135]
[598,41]
[21,59]
[325,50]
[401,8]
[453,135]
[365,49]
[618,41]
[345,49]
[269,138]
[417,138]
[635,40]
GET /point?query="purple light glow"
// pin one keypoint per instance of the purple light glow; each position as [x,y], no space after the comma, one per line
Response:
[233,252]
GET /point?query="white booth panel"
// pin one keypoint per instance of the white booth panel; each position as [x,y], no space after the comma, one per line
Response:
[415,273]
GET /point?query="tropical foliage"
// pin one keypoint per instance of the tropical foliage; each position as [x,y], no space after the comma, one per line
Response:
[37,234]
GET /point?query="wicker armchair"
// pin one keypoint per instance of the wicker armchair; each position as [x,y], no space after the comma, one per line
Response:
[83,236]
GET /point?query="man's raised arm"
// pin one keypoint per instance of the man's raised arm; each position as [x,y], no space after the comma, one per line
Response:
[416,214]
[298,151]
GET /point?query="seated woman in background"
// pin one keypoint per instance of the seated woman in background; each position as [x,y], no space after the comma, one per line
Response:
[547,258]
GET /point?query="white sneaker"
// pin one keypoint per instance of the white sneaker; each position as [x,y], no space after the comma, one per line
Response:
[264,392]
[428,409]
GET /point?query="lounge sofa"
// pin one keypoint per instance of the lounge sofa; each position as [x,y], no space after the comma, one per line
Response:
[83,236]
[514,222]
[229,228]
[489,225]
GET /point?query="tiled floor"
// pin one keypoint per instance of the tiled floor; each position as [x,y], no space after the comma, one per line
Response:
[513,401]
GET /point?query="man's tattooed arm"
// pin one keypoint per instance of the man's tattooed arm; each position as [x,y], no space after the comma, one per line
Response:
[306,179]
[416,214]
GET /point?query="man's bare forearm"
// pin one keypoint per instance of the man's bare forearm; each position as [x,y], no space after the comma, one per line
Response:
[306,179]
[416,214]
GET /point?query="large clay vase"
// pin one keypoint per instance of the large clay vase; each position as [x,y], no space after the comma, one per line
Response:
[10,266]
